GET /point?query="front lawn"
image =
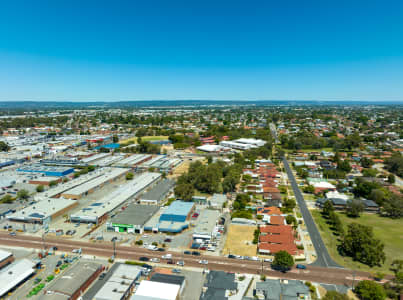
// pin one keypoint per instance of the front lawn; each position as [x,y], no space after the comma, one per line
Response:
[389,231]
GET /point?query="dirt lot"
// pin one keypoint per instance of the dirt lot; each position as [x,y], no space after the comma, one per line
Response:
[179,170]
[239,240]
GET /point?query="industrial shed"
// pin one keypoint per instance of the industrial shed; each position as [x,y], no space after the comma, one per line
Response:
[133,218]
[158,193]
[46,170]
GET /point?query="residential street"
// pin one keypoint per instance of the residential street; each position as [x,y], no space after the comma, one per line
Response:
[323,257]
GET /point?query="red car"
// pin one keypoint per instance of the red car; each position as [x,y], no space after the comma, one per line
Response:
[195,215]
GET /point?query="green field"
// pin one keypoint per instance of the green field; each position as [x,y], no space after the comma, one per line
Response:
[387,230]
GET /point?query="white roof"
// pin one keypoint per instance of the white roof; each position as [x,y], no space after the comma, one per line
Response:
[336,194]
[42,209]
[156,290]
[4,255]
[118,283]
[112,173]
[14,274]
[323,185]
[210,148]
[95,157]
[116,198]
[133,159]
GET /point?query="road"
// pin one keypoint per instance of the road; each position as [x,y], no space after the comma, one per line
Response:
[323,257]
[105,249]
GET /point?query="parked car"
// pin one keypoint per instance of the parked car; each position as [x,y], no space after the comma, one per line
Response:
[176,271]
[268,260]
[102,276]
[187,252]
[302,267]
[168,240]
[170,262]
[155,260]
[195,253]
[167,256]
[147,266]
[161,249]
[231,256]
[180,263]
[203,262]
[13,233]
[143,258]
[59,263]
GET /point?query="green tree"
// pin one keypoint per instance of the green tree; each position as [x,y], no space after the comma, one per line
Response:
[370,290]
[4,147]
[283,260]
[7,199]
[40,188]
[360,244]
[333,295]
[393,207]
[115,138]
[354,208]
[366,162]
[184,191]
[344,166]
[22,194]
[391,178]
[327,209]
[129,176]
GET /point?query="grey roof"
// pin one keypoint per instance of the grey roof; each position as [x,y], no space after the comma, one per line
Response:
[159,191]
[221,280]
[135,214]
[274,289]
[207,221]
[74,277]
[167,278]
[370,203]
[213,294]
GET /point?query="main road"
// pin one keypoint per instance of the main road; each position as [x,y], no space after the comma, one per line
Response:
[105,249]
[323,257]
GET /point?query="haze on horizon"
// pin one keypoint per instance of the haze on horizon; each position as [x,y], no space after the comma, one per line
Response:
[224,50]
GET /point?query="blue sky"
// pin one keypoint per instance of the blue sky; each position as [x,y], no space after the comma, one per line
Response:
[143,50]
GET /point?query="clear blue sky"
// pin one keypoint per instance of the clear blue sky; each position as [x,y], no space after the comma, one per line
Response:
[128,50]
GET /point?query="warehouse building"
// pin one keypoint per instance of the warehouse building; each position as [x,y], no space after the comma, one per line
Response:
[133,218]
[158,193]
[42,211]
[98,211]
[6,162]
[59,189]
[206,224]
[133,160]
[74,281]
[174,219]
[109,176]
[90,159]
[161,163]
[108,160]
[45,180]
[6,258]
[120,284]
[46,170]
[15,274]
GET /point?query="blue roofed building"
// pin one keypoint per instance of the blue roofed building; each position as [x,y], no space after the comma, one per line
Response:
[178,211]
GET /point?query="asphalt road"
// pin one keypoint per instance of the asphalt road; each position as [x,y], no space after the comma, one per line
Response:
[104,249]
[323,257]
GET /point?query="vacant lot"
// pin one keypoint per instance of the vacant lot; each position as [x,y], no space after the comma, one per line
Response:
[239,240]
[387,230]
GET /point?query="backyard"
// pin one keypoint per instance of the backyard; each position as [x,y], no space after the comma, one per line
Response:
[389,231]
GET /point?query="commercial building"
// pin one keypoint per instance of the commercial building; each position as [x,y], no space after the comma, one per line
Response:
[207,221]
[210,148]
[60,188]
[158,193]
[74,281]
[15,274]
[5,258]
[6,162]
[153,290]
[171,279]
[45,180]
[98,211]
[46,170]
[217,201]
[120,284]
[133,160]
[235,145]
[43,211]
[108,176]
[133,218]
[91,159]
[161,163]
[108,160]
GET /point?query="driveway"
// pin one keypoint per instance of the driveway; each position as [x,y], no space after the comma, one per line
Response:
[323,257]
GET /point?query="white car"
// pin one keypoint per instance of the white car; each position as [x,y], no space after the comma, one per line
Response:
[167,256]
[180,263]
[155,260]
[255,258]
[203,262]
[268,260]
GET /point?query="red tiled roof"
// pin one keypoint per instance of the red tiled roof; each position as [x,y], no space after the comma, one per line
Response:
[280,229]
[274,248]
